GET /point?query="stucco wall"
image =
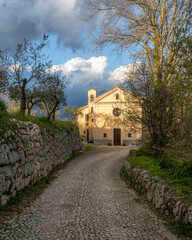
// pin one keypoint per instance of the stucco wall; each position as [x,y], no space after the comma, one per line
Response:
[102,119]
[30,153]
[159,193]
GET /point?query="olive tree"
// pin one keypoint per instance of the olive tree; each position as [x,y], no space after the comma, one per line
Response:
[52,89]
[27,66]
[72,112]
[32,96]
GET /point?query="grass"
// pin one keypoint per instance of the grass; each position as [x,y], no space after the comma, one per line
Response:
[88,148]
[7,123]
[182,229]
[177,227]
[177,172]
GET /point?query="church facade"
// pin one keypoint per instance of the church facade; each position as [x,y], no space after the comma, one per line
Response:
[101,122]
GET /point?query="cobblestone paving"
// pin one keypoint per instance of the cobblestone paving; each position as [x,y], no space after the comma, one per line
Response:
[87,200]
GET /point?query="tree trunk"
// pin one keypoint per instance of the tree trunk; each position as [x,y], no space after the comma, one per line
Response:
[52,113]
[53,116]
[49,115]
[29,111]
[23,98]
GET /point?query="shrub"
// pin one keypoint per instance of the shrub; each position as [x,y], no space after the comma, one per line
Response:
[178,172]
[167,163]
[3,108]
[183,172]
[143,151]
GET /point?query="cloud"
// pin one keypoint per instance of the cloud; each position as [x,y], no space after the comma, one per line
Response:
[120,74]
[32,18]
[83,75]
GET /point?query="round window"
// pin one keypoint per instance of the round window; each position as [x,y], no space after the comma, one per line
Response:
[116,112]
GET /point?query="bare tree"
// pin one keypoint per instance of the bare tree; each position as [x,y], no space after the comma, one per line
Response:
[147,26]
[149,29]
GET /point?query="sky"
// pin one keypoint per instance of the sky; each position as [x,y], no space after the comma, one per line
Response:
[69,46]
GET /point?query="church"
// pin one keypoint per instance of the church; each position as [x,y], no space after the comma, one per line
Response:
[100,120]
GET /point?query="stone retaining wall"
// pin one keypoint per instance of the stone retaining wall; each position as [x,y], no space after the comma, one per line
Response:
[159,193]
[30,153]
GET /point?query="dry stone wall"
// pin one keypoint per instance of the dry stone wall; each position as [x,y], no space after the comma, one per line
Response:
[30,153]
[159,193]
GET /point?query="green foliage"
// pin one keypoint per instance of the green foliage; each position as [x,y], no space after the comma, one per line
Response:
[167,163]
[27,57]
[182,174]
[177,172]
[182,228]
[52,93]
[7,122]
[88,148]
[142,151]
[72,112]
[3,107]
[4,83]
[124,174]
[145,162]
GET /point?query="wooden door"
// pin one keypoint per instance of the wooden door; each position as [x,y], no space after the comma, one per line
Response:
[117,137]
[87,135]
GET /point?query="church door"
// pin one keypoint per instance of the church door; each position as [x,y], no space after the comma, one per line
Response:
[117,137]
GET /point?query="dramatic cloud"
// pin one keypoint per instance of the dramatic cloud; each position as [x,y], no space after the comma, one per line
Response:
[32,18]
[83,75]
[120,74]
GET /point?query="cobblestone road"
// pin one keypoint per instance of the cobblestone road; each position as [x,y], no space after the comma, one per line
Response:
[87,200]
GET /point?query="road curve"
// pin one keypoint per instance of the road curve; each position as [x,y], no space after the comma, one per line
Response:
[88,200]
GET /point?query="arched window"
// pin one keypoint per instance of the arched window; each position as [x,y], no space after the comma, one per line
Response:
[92,97]
[117,96]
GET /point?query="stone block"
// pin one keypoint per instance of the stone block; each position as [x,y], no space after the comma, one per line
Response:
[2,183]
[159,193]
[4,150]
[30,155]
[7,172]
[4,199]
[13,156]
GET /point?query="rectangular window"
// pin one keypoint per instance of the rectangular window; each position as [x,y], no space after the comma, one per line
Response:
[91,109]
[86,117]
[129,135]
[104,135]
